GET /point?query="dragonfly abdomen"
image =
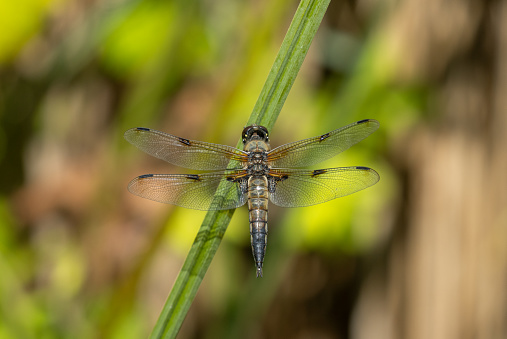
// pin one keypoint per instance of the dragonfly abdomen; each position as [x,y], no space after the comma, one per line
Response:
[258,214]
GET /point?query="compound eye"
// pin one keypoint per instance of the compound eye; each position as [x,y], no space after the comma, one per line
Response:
[246,137]
[263,133]
[246,133]
[260,131]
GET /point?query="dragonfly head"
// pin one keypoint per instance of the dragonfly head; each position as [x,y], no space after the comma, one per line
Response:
[255,132]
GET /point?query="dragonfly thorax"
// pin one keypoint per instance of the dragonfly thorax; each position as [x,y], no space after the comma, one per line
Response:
[257,163]
[258,157]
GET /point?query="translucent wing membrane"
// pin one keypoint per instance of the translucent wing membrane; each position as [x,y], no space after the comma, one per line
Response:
[195,191]
[314,150]
[298,188]
[182,152]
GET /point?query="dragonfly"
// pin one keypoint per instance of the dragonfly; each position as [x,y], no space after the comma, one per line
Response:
[254,175]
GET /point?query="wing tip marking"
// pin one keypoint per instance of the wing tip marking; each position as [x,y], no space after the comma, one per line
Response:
[143,129]
[364,121]
[370,171]
[144,176]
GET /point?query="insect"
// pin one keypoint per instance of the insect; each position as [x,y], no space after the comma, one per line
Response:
[253,175]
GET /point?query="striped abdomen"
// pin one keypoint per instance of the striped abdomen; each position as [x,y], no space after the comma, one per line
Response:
[258,214]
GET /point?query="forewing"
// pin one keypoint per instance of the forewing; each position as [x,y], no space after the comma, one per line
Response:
[182,152]
[298,188]
[317,149]
[207,191]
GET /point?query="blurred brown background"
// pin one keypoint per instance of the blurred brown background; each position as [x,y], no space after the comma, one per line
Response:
[422,254]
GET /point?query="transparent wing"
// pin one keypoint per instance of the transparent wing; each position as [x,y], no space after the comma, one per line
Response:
[314,150]
[205,191]
[298,188]
[182,152]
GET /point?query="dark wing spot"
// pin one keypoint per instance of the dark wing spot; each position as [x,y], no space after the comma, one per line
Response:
[231,179]
[142,129]
[283,177]
[145,176]
[193,177]
[324,137]
[318,172]
[363,168]
[184,141]
[363,121]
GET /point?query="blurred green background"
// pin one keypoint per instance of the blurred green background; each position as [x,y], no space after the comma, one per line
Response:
[422,254]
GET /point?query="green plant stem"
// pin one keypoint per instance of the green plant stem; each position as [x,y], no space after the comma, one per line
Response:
[288,62]
[294,47]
